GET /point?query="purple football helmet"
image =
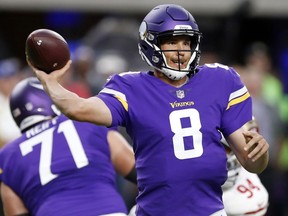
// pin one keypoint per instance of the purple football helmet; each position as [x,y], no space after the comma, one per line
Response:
[168,20]
[30,104]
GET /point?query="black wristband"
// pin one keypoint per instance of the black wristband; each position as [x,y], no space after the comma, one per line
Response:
[24,214]
[132,176]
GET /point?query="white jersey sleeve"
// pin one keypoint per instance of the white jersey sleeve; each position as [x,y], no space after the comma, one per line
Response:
[132,211]
[247,196]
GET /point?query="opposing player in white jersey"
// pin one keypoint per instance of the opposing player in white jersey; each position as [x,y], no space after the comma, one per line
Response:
[243,192]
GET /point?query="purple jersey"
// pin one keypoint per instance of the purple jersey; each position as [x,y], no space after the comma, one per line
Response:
[180,161]
[62,167]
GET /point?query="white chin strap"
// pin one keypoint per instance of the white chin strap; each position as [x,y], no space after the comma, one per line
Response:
[174,75]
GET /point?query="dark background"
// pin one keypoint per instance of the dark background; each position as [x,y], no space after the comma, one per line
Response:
[228,36]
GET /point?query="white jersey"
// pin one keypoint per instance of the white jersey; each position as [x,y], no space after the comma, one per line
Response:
[247,196]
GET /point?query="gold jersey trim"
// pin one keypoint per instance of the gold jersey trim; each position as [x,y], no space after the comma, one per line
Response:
[120,96]
[238,100]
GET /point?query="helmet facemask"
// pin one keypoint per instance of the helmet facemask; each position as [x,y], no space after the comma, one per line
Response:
[179,73]
[233,166]
[158,59]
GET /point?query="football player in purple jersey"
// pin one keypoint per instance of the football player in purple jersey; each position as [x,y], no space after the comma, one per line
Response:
[243,192]
[173,114]
[59,166]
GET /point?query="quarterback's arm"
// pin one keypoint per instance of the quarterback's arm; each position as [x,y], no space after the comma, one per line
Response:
[122,156]
[12,204]
[92,110]
[250,148]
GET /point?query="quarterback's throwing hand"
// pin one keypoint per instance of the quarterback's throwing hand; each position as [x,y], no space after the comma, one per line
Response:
[55,75]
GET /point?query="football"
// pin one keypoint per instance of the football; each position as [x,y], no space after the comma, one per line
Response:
[47,50]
